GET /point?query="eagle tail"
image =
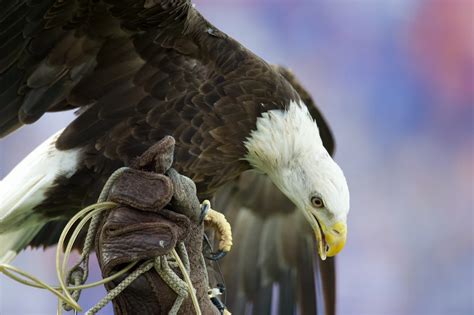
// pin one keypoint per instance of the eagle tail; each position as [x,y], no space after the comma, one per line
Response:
[13,242]
[26,187]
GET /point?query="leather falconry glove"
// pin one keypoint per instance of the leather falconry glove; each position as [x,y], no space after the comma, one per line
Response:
[157,209]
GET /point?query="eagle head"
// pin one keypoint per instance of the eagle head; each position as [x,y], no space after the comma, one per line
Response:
[287,147]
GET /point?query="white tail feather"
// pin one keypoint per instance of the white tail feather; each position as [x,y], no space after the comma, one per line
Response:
[13,242]
[24,188]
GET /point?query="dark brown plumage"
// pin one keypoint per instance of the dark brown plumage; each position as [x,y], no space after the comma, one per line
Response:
[273,245]
[137,74]
[137,71]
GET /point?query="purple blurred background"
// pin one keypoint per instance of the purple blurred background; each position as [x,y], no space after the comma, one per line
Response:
[396,82]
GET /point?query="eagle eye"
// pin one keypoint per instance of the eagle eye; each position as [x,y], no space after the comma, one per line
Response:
[317,202]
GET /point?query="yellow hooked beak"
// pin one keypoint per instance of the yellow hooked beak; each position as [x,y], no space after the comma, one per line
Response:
[330,239]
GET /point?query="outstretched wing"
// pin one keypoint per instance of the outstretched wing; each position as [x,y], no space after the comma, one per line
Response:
[136,71]
[274,259]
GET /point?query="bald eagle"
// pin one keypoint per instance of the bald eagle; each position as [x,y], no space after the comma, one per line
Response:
[136,71]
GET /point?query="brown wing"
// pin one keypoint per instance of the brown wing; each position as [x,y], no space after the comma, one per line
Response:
[273,243]
[137,70]
[273,248]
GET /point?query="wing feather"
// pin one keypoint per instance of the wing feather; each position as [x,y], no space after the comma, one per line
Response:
[273,248]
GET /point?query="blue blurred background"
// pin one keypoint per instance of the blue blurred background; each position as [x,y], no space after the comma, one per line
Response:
[395,79]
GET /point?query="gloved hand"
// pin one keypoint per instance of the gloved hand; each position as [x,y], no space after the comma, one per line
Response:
[157,209]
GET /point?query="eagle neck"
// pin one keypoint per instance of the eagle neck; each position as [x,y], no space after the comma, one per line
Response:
[283,137]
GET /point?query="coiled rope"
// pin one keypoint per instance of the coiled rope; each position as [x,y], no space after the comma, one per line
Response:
[69,288]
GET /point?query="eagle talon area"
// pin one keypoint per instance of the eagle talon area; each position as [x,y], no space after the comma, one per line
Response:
[218,221]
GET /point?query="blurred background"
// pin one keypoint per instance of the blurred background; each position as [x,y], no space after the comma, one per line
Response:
[395,79]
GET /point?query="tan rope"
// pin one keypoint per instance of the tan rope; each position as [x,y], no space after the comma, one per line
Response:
[62,291]
[191,289]
[119,288]
[79,272]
